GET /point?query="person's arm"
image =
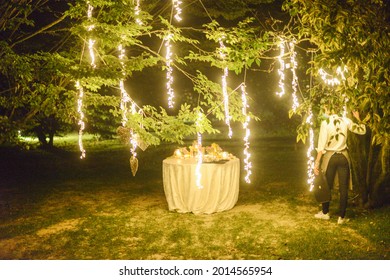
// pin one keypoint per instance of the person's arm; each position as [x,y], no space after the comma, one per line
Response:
[358,128]
[317,163]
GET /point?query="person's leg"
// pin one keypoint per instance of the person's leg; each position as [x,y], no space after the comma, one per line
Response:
[330,174]
[343,173]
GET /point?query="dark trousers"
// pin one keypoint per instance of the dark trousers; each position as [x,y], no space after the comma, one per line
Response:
[338,163]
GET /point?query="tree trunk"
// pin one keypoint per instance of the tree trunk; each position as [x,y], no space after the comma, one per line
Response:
[378,194]
[41,137]
[358,156]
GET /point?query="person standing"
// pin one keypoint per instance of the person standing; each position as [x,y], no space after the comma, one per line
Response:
[333,158]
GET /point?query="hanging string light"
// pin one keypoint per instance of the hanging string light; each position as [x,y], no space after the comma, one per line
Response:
[176,5]
[294,65]
[125,98]
[341,72]
[224,89]
[91,42]
[310,157]
[169,76]
[124,95]
[332,81]
[80,97]
[247,162]
[81,117]
[137,11]
[199,156]
[281,69]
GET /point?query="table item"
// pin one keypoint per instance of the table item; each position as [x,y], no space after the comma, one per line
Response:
[219,180]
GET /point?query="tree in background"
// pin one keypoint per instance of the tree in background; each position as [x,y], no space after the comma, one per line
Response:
[46,62]
[353,35]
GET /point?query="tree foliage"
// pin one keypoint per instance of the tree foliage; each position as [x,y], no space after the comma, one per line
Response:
[46,46]
[354,35]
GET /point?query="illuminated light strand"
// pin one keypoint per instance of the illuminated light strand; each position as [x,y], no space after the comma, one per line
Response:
[81,117]
[294,66]
[137,11]
[281,69]
[224,90]
[176,5]
[91,42]
[247,162]
[80,97]
[341,72]
[125,98]
[169,76]
[198,173]
[310,157]
[91,52]
[332,81]
[124,95]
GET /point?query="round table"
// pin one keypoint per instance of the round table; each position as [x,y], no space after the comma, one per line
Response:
[220,185]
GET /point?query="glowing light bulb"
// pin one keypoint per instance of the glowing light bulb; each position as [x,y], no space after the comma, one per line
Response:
[81,117]
[247,162]
[294,65]
[176,5]
[281,69]
[169,76]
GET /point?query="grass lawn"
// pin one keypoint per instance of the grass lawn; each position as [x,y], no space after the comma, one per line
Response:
[55,206]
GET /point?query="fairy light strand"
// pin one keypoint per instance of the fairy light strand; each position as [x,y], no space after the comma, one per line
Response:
[245,106]
[137,12]
[294,66]
[81,122]
[281,69]
[176,6]
[169,76]
[91,42]
[310,157]
[333,81]
[125,98]
[80,97]
[224,89]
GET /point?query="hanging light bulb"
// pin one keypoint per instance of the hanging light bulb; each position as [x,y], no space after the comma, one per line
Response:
[247,162]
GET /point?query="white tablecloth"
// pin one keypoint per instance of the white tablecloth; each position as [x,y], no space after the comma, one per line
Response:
[220,185]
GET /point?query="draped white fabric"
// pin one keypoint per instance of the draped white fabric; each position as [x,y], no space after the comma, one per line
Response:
[220,185]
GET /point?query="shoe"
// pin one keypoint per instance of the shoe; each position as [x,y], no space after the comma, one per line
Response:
[341,221]
[322,216]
